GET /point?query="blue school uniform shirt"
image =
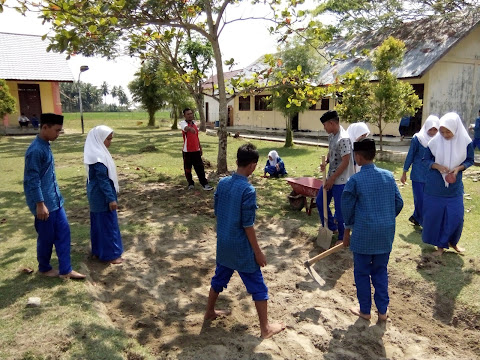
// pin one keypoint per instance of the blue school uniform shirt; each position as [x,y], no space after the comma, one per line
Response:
[370,203]
[434,184]
[39,180]
[415,159]
[235,205]
[100,189]
[477,128]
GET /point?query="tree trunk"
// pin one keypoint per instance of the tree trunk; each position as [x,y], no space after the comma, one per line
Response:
[199,102]
[380,133]
[289,133]
[222,131]
[151,118]
[175,118]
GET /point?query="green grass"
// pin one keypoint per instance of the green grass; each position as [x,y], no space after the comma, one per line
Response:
[68,322]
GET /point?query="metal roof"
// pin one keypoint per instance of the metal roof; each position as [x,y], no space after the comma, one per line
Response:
[426,41]
[25,57]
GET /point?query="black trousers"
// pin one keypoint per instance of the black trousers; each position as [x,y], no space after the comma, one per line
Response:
[195,159]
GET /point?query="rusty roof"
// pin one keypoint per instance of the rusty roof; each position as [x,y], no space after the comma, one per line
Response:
[25,57]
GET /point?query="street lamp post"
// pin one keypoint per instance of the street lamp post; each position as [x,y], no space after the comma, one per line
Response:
[82,69]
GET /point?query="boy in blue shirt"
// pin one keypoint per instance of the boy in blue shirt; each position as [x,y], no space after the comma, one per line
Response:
[237,246]
[370,202]
[45,201]
[476,133]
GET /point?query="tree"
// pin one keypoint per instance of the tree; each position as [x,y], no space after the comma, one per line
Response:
[97,27]
[105,91]
[383,101]
[147,90]
[291,84]
[7,101]
[114,92]
[122,97]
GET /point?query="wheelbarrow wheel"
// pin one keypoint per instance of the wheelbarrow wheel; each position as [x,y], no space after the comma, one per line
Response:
[297,201]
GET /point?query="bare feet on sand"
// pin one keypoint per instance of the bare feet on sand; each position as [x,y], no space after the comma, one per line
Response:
[211,315]
[438,252]
[356,311]
[73,275]
[49,273]
[458,249]
[116,261]
[382,317]
[272,329]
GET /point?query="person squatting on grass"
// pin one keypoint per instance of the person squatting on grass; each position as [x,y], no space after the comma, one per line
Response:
[414,158]
[274,166]
[339,171]
[448,154]
[237,247]
[370,201]
[102,189]
[45,201]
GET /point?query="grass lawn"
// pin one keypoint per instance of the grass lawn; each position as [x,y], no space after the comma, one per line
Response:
[69,325]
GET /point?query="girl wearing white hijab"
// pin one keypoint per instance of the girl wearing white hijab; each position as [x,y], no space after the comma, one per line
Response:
[274,166]
[448,154]
[418,145]
[102,189]
[356,132]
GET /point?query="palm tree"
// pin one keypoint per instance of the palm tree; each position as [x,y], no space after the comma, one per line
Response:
[105,91]
[114,92]
[122,97]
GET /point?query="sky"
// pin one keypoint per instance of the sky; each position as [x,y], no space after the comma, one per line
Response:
[245,41]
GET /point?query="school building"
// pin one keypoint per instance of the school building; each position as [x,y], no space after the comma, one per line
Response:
[32,75]
[442,62]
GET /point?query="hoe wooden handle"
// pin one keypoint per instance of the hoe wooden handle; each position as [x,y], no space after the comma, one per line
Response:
[324,254]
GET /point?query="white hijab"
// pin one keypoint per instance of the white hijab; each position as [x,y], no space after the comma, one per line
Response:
[422,136]
[356,130]
[450,153]
[95,151]
[274,156]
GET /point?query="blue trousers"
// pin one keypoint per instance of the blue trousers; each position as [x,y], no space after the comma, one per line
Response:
[54,232]
[335,192]
[105,235]
[443,219]
[253,282]
[476,143]
[417,188]
[372,268]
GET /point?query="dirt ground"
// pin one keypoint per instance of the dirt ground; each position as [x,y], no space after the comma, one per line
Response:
[158,295]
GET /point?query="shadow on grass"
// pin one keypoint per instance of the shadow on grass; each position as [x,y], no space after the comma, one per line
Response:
[444,272]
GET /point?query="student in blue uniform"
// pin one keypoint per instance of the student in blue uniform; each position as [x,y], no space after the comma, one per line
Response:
[237,247]
[339,171]
[45,201]
[102,189]
[414,158]
[356,132]
[370,202]
[476,132]
[275,166]
[448,154]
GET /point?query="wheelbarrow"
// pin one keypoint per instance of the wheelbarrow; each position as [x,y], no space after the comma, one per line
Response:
[303,188]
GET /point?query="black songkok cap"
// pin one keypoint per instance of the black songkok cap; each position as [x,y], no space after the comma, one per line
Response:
[329,115]
[52,119]
[364,145]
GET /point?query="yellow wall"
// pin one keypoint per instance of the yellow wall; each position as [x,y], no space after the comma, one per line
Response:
[46,98]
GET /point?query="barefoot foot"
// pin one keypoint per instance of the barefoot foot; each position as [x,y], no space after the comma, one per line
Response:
[116,261]
[383,317]
[73,275]
[356,311]
[272,329]
[211,315]
[458,249]
[338,242]
[438,252]
[49,273]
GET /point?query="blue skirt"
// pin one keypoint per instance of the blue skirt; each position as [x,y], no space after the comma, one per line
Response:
[105,235]
[442,220]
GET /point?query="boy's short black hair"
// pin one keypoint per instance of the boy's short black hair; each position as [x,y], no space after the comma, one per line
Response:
[51,119]
[185,110]
[329,115]
[366,148]
[247,154]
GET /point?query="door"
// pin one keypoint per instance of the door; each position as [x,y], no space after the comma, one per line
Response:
[416,120]
[29,97]
[295,122]
[207,112]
